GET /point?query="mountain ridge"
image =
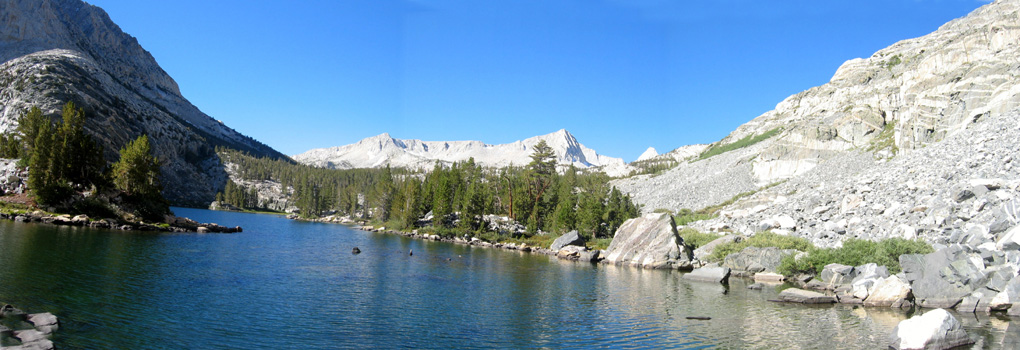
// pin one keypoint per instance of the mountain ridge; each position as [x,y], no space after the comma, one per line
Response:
[55,51]
[380,150]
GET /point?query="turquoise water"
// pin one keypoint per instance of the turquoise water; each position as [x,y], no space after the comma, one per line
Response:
[289,284]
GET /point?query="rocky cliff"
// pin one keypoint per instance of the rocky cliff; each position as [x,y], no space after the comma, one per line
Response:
[894,134]
[378,151]
[54,51]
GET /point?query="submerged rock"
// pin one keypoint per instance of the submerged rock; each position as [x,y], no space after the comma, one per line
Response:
[935,329]
[649,241]
[797,295]
[9,310]
[769,277]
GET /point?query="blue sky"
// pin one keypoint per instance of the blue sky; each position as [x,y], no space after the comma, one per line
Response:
[620,75]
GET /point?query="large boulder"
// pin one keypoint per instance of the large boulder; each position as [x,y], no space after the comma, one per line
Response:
[752,260]
[797,295]
[569,238]
[709,274]
[649,241]
[890,291]
[943,278]
[935,329]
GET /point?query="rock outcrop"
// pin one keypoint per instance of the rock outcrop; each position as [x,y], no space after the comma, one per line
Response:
[705,250]
[55,51]
[753,260]
[935,329]
[943,278]
[649,241]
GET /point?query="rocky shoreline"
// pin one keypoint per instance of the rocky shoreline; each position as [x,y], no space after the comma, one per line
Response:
[28,331]
[177,224]
[571,252]
[960,277]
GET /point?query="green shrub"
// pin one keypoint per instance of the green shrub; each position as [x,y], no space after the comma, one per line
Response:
[761,240]
[695,238]
[598,243]
[744,142]
[892,62]
[685,218]
[856,252]
[885,140]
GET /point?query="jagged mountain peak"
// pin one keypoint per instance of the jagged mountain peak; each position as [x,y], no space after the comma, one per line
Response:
[648,154]
[376,151]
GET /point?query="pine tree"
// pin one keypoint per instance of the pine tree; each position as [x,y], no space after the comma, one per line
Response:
[542,169]
[40,178]
[383,193]
[137,175]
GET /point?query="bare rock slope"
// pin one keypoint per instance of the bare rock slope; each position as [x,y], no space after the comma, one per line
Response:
[956,87]
[54,51]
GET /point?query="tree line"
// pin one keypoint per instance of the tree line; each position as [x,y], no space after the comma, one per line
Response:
[457,195]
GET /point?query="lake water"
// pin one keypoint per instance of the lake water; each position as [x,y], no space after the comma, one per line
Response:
[290,284]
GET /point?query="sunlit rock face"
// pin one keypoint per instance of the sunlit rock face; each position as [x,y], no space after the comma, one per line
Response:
[910,96]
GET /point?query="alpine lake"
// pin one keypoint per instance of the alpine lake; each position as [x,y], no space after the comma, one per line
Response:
[296,285]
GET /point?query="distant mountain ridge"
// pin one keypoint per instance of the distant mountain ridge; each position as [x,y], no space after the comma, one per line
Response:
[378,151]
[55,51]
